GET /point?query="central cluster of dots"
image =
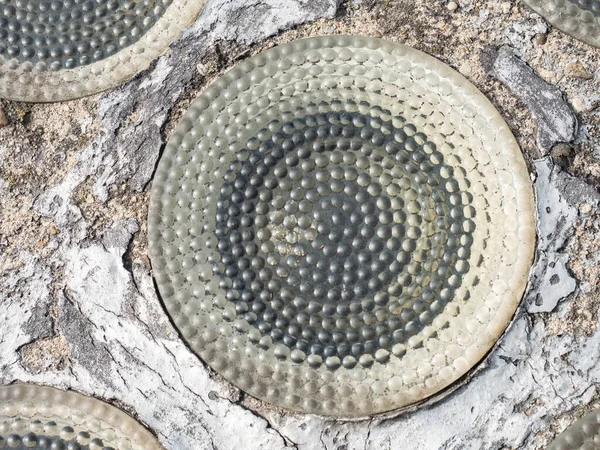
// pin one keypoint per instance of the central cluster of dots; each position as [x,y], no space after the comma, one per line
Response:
[66,438]
[340,235]
[589,5]
[64,34]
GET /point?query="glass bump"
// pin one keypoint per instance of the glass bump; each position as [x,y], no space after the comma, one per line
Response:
[52,50]
[35,418]
[578,18]
[341,226]
[582,435]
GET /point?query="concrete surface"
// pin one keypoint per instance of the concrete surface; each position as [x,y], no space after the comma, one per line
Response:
[78,307]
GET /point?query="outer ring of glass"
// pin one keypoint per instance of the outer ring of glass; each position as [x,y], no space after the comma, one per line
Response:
[468,100]
[23,400]
[582,435]
[25,83]
[569,18]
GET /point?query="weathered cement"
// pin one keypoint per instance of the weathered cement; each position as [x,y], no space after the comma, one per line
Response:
[75,284]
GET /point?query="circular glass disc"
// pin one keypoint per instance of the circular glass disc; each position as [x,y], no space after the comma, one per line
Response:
[341,226]
[35,417]
[578,18]
[53,50]
[582,435]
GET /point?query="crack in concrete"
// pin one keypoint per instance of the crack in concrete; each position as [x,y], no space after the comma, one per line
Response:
[124,347]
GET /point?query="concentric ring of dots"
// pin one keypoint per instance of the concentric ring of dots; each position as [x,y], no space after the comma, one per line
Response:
[578,18]
[582,435]
[52,50]
[35,417]
[341,226]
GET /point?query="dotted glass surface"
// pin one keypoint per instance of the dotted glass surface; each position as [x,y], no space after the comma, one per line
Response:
[341,226]
[578,18]
[54,50]
[582,435]
[35,417]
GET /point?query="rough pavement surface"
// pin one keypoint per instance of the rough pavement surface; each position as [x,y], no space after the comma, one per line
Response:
[556,122]
[79,308]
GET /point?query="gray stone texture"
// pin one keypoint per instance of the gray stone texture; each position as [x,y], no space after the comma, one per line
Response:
[78,306]
[556,123]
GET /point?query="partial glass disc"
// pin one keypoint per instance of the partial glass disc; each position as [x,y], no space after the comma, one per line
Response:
[53,50]
[582,435]
[578,18]
[341,226]
[34,417]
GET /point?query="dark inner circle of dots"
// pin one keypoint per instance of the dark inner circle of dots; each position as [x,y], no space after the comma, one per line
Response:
[327,248]
[27,441]
[64,34]
[589,5]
